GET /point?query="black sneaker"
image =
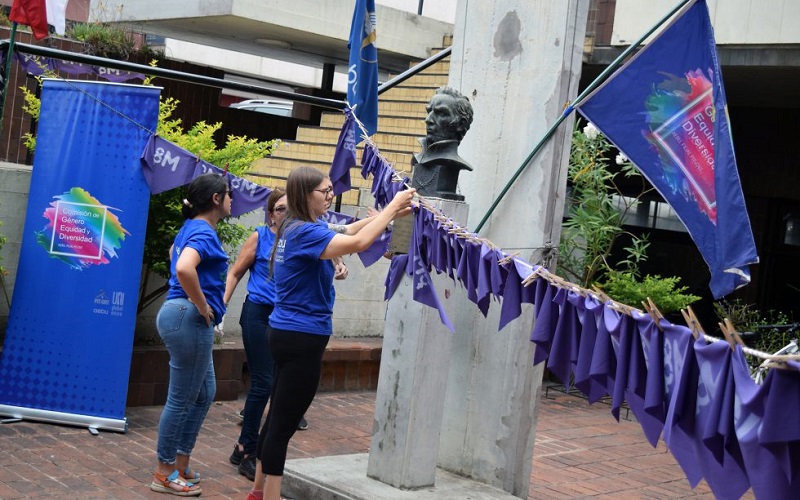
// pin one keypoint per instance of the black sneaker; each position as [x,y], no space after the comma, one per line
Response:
[236,456]
[303,425]
[248,468]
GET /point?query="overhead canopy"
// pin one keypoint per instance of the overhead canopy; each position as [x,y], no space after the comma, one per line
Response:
[308,32]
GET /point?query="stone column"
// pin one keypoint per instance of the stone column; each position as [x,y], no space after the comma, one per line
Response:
[412,383]
[519,63]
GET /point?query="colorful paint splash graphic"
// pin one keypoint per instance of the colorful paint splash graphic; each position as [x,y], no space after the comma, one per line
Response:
[680,119]
[80,231]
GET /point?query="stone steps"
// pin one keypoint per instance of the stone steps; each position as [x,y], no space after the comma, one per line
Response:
[401,121]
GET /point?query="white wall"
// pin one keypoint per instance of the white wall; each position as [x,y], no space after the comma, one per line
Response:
[734,21]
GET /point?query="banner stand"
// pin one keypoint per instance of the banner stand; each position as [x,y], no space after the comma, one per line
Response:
[66,357]
[57,417]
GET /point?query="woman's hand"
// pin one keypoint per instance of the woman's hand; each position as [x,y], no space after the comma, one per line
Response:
[400,205]
[207,313]
[340,270]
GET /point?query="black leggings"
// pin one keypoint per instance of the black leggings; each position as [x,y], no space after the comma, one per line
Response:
[298,364]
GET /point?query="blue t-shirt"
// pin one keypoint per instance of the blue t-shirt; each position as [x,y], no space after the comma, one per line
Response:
[303,282]
[260,288]
[212,270]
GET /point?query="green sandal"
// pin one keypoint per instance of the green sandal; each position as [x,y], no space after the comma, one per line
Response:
[174,485]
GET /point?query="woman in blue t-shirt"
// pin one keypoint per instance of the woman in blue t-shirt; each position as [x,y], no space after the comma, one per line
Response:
[198,266]
[300,324]
[254,256]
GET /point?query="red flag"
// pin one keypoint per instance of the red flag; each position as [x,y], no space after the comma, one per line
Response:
[31,13]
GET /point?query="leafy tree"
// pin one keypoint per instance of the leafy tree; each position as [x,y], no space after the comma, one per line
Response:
[596,212]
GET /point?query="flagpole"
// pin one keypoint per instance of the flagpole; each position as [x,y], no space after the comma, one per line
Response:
[7,71]
[570,108]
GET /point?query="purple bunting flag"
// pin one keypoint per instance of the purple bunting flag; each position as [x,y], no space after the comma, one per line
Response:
[344,157]
[167,166]
[39,65]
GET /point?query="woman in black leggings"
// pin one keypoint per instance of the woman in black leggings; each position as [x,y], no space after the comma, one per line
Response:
[300,324]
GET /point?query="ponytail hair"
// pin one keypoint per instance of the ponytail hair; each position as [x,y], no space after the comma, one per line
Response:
[200,194]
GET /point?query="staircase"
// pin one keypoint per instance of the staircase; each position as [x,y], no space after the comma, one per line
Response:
[401,120]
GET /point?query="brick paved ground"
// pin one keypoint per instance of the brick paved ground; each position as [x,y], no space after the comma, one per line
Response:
[580,451]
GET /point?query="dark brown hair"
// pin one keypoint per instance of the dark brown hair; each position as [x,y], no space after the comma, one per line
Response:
[301,182]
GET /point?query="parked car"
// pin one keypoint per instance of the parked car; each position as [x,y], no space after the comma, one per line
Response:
[278,108]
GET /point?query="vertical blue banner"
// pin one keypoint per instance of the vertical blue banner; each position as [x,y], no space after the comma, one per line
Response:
[666,110]
[362,74]
[68,345]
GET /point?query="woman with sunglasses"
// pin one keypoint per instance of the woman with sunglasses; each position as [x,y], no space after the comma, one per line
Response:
[185,322]
[300,324]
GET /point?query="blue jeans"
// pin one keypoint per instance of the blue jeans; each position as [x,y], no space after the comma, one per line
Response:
[255,323]
[192,384]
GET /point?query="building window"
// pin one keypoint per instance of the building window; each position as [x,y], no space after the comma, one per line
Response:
[650,214]
[791,230]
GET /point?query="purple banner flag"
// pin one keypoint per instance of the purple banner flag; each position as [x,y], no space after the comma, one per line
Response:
[666,110]
[344,157]
[166,166]
[374,252]
[39,65]
[419,267]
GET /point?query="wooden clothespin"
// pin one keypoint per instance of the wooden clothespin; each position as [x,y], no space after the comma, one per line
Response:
[508,258]
[732,330]
[690,324]
[727,334]
[600,294]
[579,290]
[536,274]
[696,326]
[654,312]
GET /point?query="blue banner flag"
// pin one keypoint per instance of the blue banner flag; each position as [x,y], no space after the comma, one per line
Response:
[665,109]
[362,74]
[67,352]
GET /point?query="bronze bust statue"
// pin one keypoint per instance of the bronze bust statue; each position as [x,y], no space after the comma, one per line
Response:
[437,166]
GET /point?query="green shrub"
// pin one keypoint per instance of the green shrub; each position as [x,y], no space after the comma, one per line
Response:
[664,292]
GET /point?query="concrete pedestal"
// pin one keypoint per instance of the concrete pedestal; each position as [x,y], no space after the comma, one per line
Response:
[344,478]
[412,383]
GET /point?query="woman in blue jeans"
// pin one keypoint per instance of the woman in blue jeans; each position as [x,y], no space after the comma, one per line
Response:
[198,266]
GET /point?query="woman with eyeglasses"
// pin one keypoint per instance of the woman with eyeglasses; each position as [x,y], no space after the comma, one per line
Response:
[254,256]
[300,324]
[258,305]
[185,322]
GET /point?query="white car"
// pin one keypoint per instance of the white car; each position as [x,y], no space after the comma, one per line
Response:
[278,108]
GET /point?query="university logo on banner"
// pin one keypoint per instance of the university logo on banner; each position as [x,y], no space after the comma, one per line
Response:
[362,74]
[666,110]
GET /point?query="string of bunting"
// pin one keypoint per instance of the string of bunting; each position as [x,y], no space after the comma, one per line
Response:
[387,181]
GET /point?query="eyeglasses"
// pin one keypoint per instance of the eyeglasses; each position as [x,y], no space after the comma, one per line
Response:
[325,192]
[280,210]
[229,193]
